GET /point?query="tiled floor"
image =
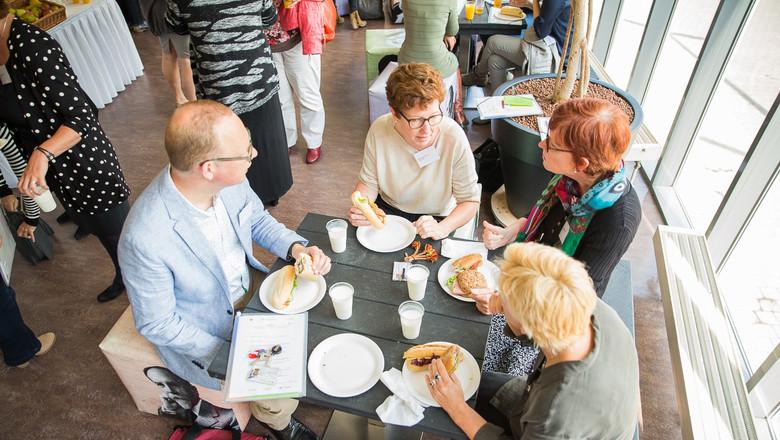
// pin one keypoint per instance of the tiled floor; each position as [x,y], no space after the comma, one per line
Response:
[73,393]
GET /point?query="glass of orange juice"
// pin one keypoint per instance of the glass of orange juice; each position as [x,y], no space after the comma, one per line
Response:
[470,10]
[497,4]
[479,7]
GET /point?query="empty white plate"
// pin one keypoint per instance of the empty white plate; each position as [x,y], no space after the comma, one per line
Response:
[488,268]
[307,294]
[397,234]
[468,373]
[345,365]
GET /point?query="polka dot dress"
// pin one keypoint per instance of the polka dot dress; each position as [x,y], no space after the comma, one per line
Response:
[87,178]
[507,355]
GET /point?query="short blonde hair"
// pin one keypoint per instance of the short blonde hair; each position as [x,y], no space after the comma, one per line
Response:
[190,140]
[414,84]
[548,292]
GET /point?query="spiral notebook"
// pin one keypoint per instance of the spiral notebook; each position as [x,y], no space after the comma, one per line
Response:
[267,357]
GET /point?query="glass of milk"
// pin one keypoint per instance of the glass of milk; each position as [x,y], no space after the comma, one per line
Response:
[411,313]
[45,201]
[341,295]
[416,280]
[337,233]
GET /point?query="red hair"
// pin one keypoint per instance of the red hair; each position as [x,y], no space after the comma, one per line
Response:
[593,129]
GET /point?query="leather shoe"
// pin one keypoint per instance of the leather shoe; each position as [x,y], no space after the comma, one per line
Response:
[111,292]
[47,342]
[313,155]
[295,431]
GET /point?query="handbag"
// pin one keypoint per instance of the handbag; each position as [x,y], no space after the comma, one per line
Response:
[41,249]
[329,20]
[488,161]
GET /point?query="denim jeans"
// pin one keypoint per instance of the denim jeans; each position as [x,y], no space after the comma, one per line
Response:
[17,341]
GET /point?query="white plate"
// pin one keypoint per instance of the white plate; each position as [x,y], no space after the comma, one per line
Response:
[490,270]
[501,16]
[346,365]
[468,374]
[307,295]
[397,234]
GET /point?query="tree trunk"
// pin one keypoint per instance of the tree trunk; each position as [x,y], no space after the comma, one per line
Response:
[579,24]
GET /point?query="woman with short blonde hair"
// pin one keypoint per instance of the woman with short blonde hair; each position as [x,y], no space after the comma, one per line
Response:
[585,383]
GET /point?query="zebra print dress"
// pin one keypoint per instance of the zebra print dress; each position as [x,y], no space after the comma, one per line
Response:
[229,49]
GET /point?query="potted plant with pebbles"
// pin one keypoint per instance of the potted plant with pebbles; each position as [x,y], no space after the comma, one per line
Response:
[518,138]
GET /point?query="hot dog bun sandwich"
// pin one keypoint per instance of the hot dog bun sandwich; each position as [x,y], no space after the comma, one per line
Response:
[419,357]
[369,210]
[467,262]
[284,287]
[304,267]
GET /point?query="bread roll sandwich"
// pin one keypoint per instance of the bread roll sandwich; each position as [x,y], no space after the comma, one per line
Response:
[419,357]
[284,287]
[304,268]
[466,276]
[467,280]
[369,210]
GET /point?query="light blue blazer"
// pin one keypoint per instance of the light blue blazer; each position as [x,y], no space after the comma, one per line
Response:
[176,286]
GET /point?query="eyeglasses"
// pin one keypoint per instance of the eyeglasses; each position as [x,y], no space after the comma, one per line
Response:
[548,147]
[416,123]
[247,158]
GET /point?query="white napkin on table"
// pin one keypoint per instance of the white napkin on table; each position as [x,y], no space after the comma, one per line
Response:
[457,248]
[400,408]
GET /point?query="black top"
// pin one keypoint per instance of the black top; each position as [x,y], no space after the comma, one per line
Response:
[607,238]
[229,49]
[87,177]
[552,20]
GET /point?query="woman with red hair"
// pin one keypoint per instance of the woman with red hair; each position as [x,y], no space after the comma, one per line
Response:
[589,209]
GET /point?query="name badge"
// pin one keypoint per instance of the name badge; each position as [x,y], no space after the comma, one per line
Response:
[426,156]
[5,78]
[564,231]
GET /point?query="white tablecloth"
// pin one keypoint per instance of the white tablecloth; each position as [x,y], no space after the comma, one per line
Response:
[98,45]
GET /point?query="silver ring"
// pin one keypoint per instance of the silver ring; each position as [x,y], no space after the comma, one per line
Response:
[432,383]
[436,377]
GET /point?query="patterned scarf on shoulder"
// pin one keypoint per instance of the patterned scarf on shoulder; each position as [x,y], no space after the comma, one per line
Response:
[579,210]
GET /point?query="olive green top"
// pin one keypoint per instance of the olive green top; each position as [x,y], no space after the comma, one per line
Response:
[595,398]
[426,22]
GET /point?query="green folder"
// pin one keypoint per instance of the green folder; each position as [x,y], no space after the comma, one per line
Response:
[518,101]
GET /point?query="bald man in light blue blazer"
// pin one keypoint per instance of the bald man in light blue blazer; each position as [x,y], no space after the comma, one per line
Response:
[186,248]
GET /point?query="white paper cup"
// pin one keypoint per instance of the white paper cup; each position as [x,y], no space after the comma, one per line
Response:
[337,233]
[341,295]
[46,201]
[416,280]
[411,313]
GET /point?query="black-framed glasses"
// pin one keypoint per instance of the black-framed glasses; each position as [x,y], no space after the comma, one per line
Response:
[416,123]
[247,158]
[548,147]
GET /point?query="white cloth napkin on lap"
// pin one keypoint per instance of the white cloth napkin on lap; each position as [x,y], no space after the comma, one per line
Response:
[400,408]
[457,248]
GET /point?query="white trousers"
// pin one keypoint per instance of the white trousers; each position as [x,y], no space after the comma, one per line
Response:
[299,74]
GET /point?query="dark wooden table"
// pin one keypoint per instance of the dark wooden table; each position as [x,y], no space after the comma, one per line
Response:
[375,316]
[480,25]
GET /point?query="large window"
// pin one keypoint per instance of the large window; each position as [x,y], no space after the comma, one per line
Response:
[750,281]
[691,20]
[622,52]
[740,104]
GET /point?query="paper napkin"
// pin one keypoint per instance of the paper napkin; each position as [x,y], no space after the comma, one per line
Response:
[400,408]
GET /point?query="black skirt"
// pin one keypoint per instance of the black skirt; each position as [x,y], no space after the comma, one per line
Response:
[270,175]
